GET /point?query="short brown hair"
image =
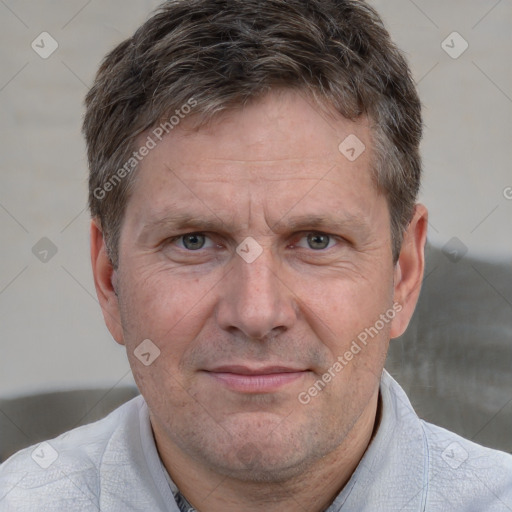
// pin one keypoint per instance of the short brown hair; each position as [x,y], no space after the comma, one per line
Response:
[225,53]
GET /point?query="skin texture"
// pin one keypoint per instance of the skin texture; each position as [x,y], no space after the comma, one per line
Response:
[271,171]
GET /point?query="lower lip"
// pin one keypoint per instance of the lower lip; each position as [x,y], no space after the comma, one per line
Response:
[266,383]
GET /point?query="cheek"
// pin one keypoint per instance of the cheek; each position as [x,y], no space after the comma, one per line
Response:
[165,308]
[340,309]
[170,312]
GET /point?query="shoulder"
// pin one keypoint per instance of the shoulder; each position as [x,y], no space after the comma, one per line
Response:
[64,473]
[465,475]
[442,470]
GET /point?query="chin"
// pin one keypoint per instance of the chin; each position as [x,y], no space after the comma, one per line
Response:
[263,468]
[266,455]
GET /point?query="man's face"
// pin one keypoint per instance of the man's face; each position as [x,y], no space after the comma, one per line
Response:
[240,340]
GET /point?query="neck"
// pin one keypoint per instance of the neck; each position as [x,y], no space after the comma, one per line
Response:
[313,489]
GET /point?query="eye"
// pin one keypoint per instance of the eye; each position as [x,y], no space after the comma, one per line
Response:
[316,241]
[193,241]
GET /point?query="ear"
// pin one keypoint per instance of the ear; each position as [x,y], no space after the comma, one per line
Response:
[105,282]
[409,270]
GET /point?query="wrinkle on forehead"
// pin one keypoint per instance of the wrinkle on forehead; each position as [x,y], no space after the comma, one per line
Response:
[226,170]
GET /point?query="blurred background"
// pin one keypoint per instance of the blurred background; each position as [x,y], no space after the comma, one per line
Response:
[458,351]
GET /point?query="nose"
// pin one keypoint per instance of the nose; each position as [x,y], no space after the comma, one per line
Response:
[255,300]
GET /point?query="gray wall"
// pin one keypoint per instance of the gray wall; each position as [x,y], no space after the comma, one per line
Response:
[51,328]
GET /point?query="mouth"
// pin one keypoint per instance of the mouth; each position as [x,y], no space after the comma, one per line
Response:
[266,379]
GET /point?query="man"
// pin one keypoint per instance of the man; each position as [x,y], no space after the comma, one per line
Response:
[256,243]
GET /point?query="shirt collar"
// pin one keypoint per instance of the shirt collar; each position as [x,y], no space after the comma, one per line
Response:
[393,473]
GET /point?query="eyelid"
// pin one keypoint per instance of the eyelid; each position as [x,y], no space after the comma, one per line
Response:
[177,238]
[304,234]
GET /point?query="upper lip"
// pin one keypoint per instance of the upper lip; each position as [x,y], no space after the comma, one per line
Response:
[264,370]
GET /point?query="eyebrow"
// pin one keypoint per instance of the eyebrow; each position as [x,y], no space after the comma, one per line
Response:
[343,223]
[180,221]
[339,223]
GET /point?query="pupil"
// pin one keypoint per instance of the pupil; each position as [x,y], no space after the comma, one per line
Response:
[317,241]
[193,242]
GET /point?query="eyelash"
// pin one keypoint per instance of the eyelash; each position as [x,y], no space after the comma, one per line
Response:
[178,238]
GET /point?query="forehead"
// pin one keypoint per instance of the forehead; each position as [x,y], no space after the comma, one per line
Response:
[282,148]
[283,125]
